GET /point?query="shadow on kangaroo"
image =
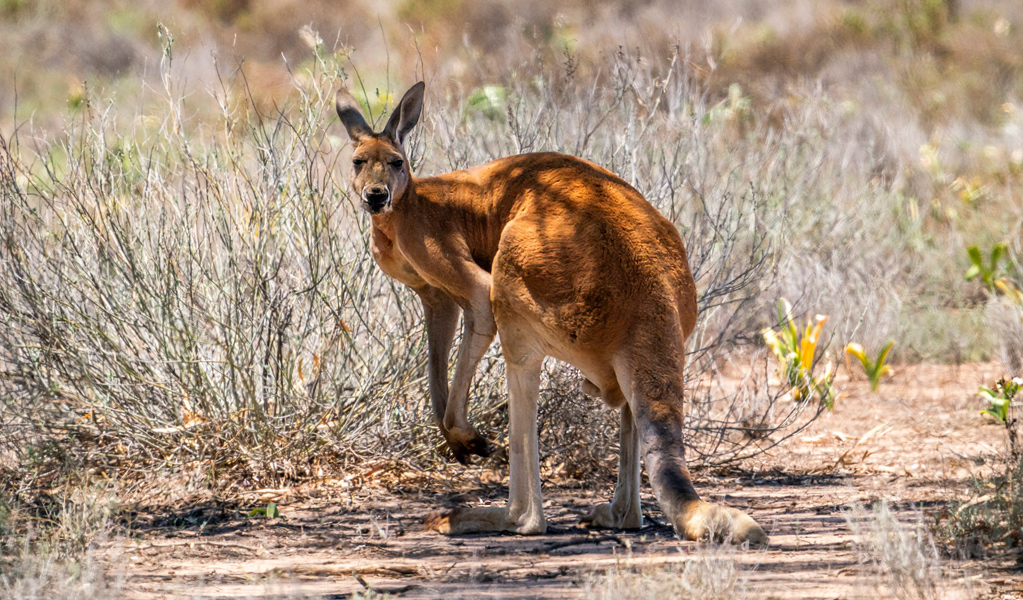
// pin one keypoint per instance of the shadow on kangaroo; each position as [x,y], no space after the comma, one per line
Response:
[563,259]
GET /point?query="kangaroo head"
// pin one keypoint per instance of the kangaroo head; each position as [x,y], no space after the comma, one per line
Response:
[380,170]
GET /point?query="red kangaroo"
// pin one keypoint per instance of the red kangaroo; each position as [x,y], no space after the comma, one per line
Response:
[563,259]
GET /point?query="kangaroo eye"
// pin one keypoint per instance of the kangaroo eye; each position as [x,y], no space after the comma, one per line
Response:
[358,162]
[397,164]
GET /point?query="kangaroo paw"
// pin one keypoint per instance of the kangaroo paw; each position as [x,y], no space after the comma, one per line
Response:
[466,442]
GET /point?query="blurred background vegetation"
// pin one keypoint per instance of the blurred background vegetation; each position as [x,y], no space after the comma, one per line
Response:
[942,66]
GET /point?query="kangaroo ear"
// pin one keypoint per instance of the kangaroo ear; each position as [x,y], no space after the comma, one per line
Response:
[406,114]
[351,116]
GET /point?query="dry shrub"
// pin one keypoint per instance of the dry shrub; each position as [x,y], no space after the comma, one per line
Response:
[174,297]
[202,295]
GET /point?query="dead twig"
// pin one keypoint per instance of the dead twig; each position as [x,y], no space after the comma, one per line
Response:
[386,590]
[576,542]
[193,542]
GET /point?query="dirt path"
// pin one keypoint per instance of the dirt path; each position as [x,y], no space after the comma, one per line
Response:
[912,445]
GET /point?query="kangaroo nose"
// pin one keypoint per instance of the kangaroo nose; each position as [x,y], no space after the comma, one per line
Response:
[376,197]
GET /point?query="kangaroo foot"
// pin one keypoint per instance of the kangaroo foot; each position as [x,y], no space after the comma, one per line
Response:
[721,523]
[484,519]
[604,516]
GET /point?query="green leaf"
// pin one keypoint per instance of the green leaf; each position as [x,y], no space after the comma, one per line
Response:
[972,272]
[997,417]
[975,256]
[883,356]
[270,512]
[996,255]
[792,334]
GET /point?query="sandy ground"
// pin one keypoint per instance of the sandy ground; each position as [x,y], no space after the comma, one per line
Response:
[913,444]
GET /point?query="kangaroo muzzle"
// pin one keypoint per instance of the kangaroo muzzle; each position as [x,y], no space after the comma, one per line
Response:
[376,198]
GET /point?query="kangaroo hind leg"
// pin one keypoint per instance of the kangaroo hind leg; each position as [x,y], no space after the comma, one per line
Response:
[655,396]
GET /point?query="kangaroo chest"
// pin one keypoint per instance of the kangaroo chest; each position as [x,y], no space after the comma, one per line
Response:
[389,257]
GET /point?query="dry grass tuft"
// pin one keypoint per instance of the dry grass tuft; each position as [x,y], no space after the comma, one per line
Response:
[711,573]
[1005,318]
[48,549]
[901,561]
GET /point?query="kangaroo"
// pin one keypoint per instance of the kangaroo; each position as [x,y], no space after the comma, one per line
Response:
[564,259]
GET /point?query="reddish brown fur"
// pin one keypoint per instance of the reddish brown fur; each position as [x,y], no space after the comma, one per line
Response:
[567,260]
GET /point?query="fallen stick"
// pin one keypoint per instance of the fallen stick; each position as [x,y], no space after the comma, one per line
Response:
[577,542]
[383,590]
[192,543]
